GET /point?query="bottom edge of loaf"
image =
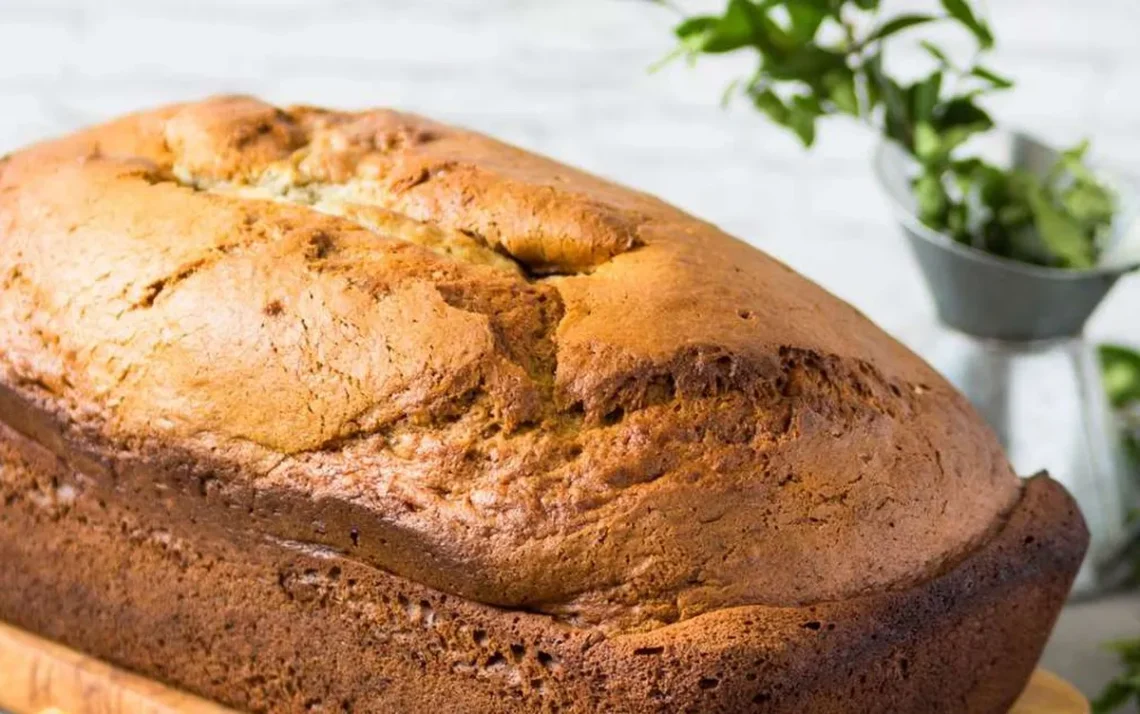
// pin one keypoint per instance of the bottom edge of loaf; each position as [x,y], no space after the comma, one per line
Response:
[269,626]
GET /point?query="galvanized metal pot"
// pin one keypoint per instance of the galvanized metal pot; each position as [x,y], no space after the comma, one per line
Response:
[1011,340]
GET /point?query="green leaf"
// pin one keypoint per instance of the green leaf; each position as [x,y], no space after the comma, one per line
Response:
[806,64]
[767,102]
[799,115]
[770,39]
[969,167]
[954,137]
[1072,161]
[804,111]
[1129,650]
[867,4]
[996,80]
[1076,153]
[896,114]
[957,218]
[807,103]
[970,173]
[896,25]
[1080,195]
[695,34]
[927,143]
[694,26]
[924,97]
[713,35]
[966,182]
[960,11]
[937,54]
[961,111]
[1089,203]
[1120,368]
[1115,695]
[840,86]
[932,200]
[1059,232]
[1014,215]
[806,19]
[869,93]
[804,126]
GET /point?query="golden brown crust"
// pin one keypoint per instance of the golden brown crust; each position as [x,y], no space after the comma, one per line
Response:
[269,625]
[517,383]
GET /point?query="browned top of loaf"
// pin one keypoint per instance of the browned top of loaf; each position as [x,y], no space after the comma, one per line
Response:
[549,392]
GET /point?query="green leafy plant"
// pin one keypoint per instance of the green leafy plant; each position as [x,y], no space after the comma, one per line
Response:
[826,58]
[1125,687]
[1120,368]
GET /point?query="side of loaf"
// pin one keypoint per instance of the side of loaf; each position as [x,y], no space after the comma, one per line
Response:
[314,410]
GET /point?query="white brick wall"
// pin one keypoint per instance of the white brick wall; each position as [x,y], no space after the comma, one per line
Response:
[568,78]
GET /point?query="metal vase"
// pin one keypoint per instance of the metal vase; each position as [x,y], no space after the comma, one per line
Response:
[1011,340]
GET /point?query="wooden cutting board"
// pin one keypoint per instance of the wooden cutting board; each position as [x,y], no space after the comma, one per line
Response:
[1049,694]
[38,676]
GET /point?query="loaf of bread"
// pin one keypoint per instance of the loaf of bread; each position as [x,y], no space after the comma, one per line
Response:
[306,410]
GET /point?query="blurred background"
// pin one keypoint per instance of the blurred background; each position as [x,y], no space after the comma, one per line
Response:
[569,78]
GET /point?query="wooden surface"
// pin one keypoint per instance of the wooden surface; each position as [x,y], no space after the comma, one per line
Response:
[1049,694]
[38,677]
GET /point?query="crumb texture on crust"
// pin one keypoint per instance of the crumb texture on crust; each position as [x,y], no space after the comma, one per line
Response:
[266,625]
[542,390]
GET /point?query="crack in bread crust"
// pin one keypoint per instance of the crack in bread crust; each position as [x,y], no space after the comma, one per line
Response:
[516,382]
[363,204]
